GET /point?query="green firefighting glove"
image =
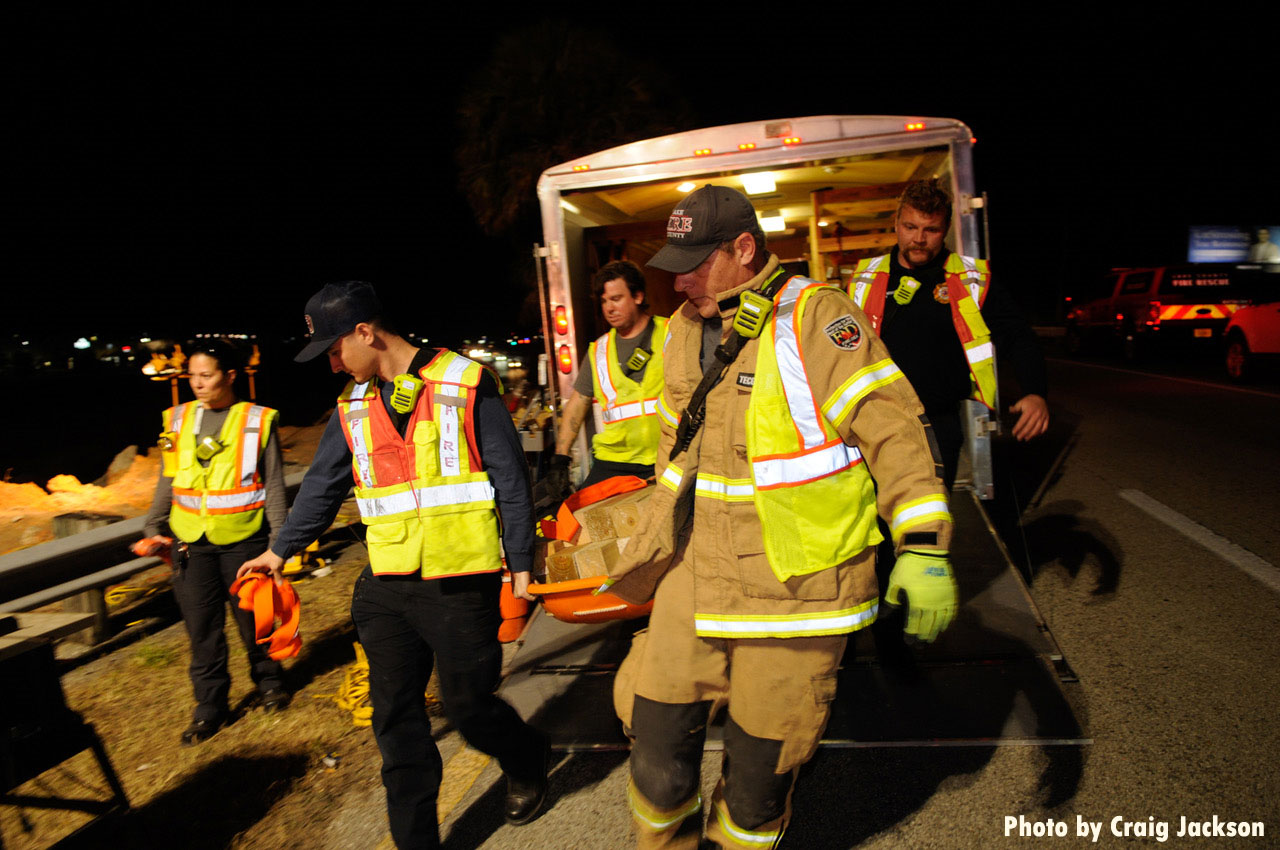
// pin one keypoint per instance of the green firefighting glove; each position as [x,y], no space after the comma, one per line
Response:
[931,592]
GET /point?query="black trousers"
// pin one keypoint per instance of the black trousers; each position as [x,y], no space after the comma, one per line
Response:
[202,588]
[405,625]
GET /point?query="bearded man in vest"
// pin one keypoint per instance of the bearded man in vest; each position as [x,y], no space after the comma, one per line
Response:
[759,543]
[435,459]
[943,321]
[622,374]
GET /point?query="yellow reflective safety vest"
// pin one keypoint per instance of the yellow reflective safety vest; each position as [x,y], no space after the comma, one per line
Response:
[224,502]
[813,494]
[629,409]
[425,497]
[966,280]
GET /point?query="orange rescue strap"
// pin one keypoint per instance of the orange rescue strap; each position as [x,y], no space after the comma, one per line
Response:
[271,603]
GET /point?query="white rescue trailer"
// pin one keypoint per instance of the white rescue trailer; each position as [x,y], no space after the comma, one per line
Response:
[826,191]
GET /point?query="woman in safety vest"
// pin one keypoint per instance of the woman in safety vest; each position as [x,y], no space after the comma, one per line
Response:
[221,495]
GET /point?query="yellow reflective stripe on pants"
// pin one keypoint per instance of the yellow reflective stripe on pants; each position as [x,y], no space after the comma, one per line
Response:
[786,625]
[917,511]
[744,837]
[660,820]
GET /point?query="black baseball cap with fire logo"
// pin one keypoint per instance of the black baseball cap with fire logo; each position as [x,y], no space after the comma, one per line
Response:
[704,220]
[335,311]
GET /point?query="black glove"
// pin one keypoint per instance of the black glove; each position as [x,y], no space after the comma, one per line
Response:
[557,477]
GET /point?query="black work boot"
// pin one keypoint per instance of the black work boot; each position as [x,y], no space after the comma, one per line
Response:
[525,797]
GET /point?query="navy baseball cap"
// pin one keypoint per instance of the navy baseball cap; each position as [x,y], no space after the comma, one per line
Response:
[335,311]
[704,220]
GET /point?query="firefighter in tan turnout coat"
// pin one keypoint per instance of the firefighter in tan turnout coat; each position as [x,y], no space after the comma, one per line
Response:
[759,545]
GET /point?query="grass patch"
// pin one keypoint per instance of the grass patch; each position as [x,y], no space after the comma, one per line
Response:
[150,655]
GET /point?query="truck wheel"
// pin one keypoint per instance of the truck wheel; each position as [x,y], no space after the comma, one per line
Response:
[1238,360]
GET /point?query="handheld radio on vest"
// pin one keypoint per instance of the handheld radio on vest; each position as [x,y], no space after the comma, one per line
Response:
[404,392]
[638,358]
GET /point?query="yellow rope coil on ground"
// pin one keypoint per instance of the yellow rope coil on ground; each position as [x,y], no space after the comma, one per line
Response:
[353,694]
[121,592]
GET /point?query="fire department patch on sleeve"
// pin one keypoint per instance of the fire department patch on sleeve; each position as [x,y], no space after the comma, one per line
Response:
[844,333]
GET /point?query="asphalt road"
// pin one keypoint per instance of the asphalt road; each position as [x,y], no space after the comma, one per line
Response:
[1151,537]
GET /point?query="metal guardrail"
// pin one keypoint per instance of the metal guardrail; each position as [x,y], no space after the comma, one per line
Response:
[91,559]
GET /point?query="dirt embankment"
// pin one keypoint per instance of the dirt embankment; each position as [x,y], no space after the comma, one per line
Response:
[125,489]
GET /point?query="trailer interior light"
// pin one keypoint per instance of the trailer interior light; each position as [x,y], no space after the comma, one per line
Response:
[686,187]
[912,126]
[582,167]
[562,320]
[747,146]
[702,151]
[791,140]
[759,183]
[772,223]
[565,358]
[823,223]
[566,205]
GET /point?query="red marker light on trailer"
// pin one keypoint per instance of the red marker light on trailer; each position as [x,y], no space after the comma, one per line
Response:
[702,151]
[566,359]
[583,167]
[912,126]
[791,140]
[562,320]
[973,140]
[747,146]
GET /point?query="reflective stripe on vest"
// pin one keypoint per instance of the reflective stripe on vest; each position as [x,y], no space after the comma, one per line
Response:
[356,430]
[648,407]
[249,454]
[410,500]
[787,625]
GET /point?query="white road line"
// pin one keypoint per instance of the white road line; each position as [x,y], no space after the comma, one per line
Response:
[1264,571]
[1139,373]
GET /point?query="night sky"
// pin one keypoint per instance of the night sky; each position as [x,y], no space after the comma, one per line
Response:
[208,174]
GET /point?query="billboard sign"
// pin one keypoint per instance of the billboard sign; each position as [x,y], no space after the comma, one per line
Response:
[1234,244]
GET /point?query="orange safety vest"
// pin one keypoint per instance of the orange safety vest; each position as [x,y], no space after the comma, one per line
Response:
[967,281]
[425,497]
